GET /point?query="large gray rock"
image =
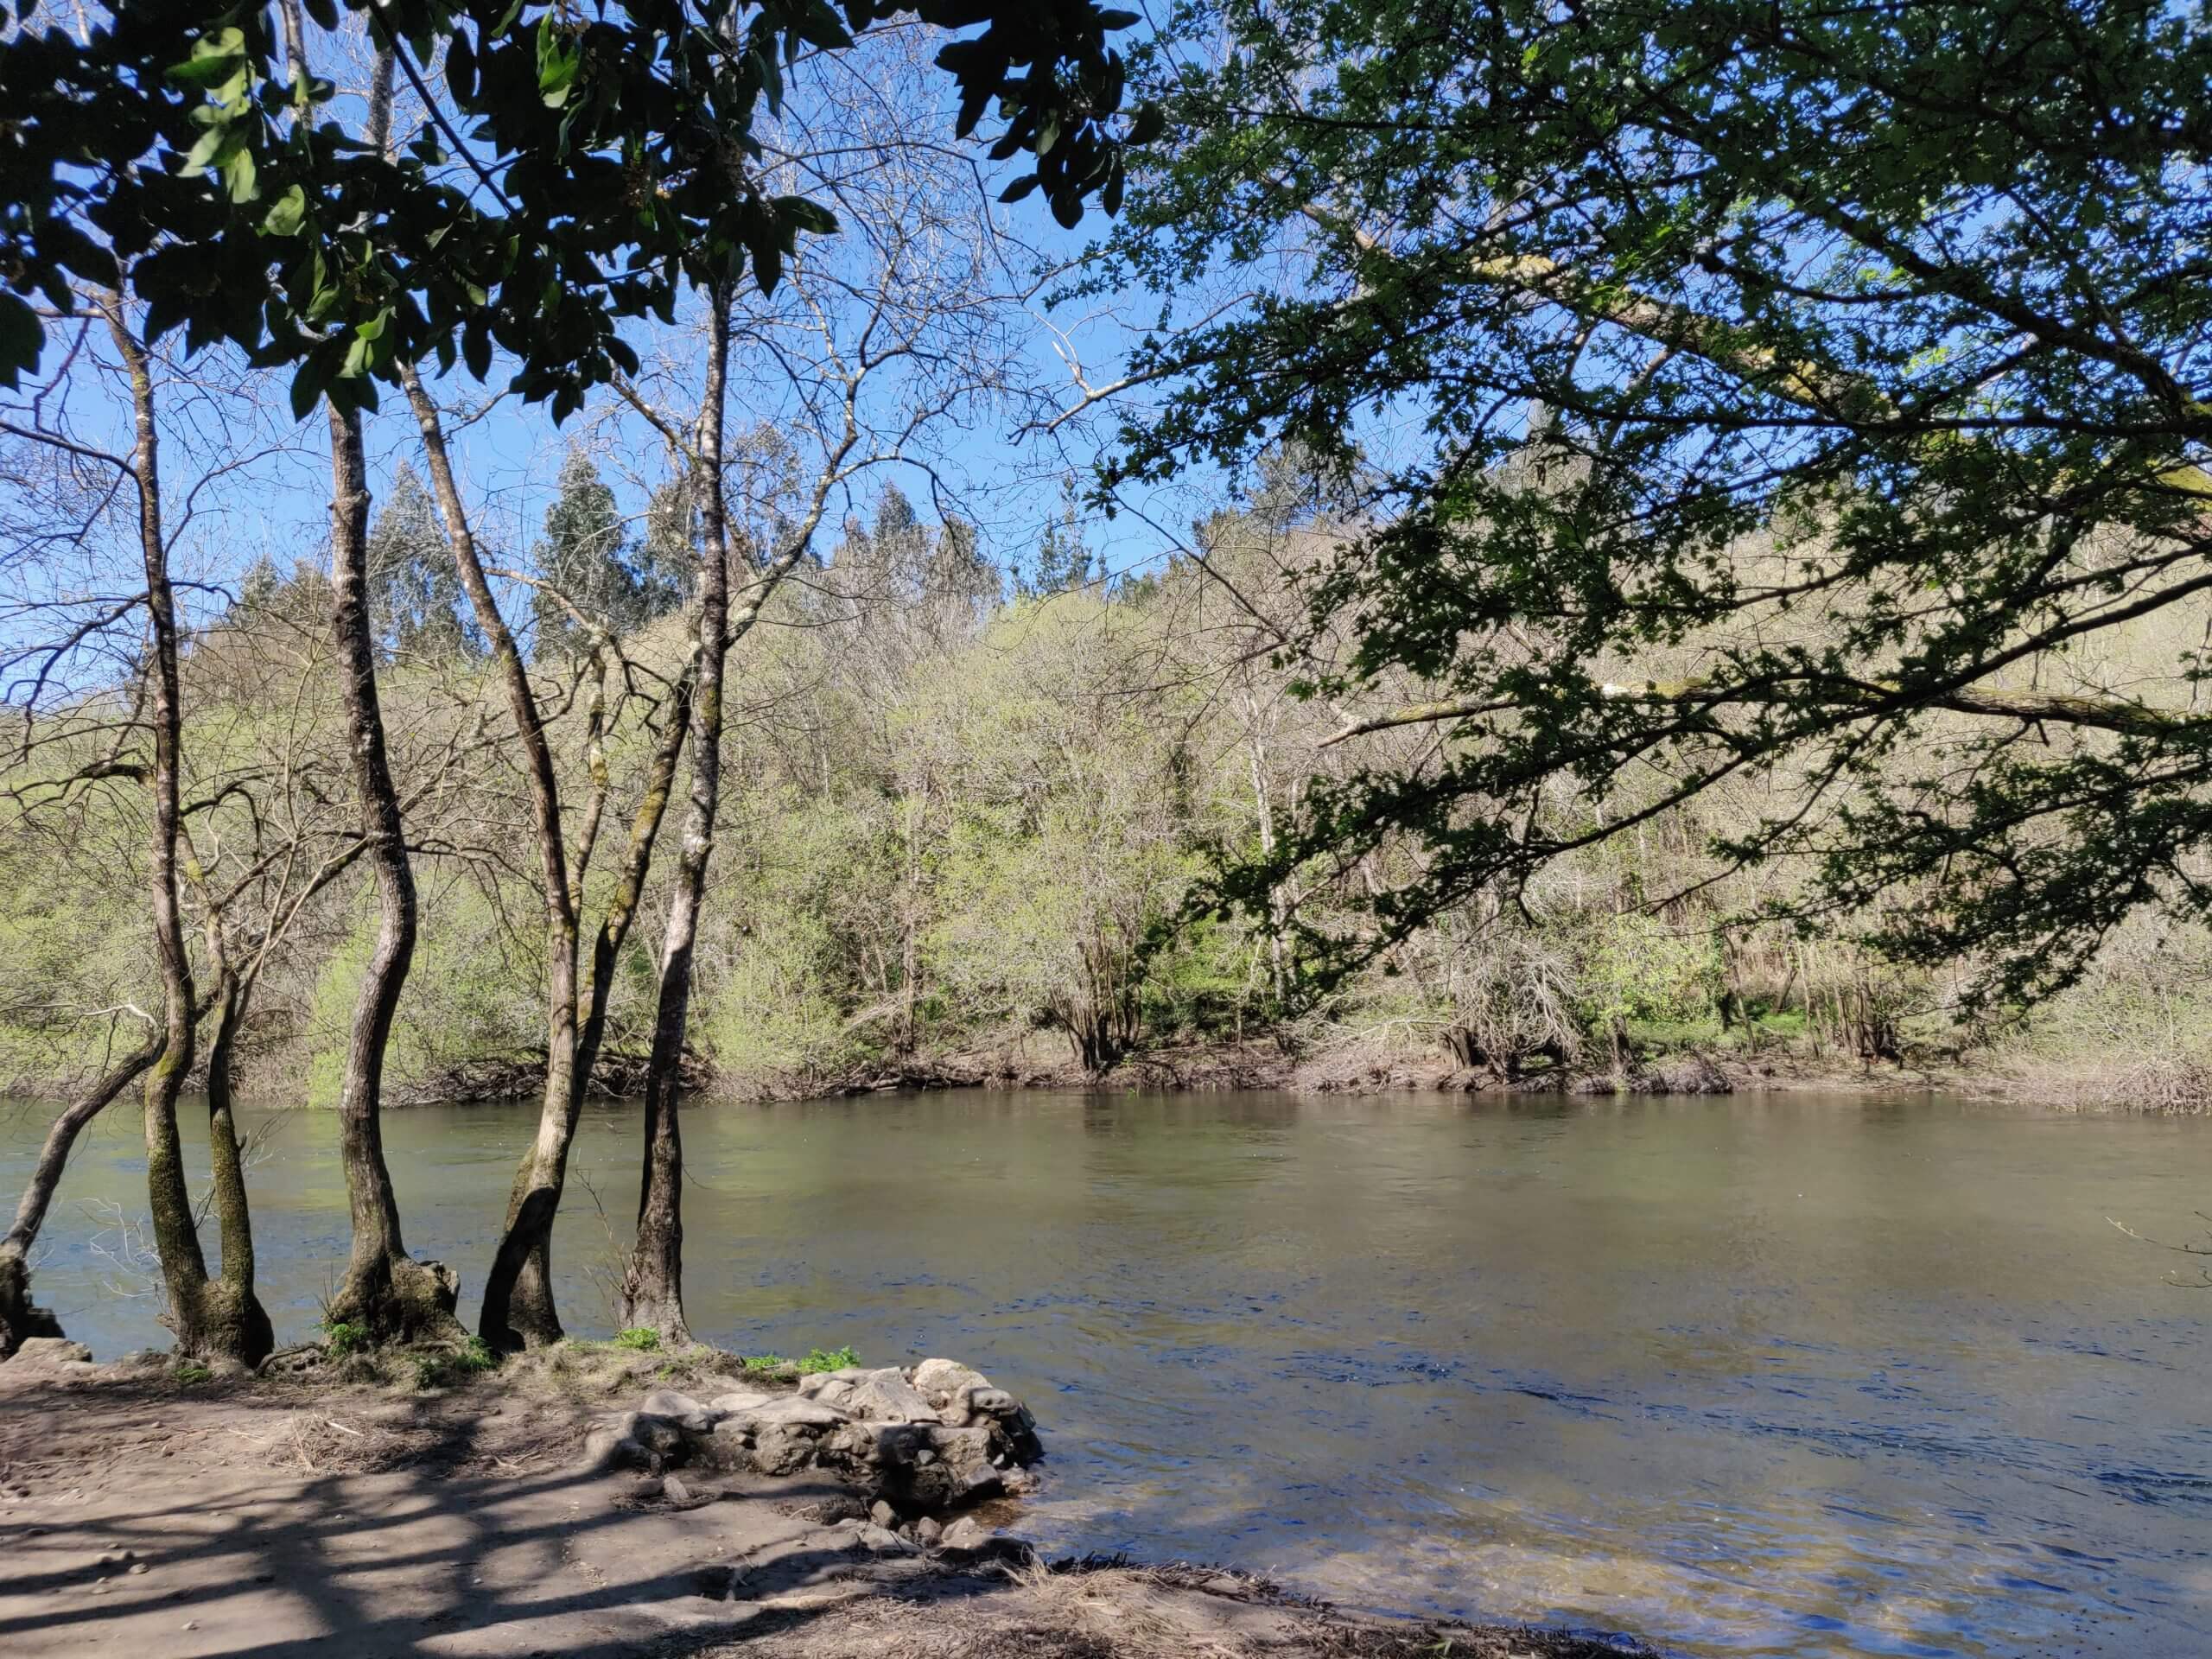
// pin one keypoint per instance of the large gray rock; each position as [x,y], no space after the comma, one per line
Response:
[796,1410]
[679,1408]
[877,1396]
[42,1352]
[730,1405]
[935,1439]
[635,1439]
[939,1380]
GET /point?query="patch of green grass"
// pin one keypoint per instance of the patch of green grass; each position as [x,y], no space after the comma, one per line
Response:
[191,1373]
[764,1364]
[476,1354]
[641,1339]
[345,1339]
[472,1358]
[837,1359]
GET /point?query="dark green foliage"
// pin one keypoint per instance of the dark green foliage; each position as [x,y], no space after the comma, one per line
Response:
[586,560]
[600,159]
[415,604]
[1775,390]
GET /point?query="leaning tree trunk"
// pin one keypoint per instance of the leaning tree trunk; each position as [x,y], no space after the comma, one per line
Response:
[20,1317]
[518,1310]
[651,1293]
[518,1293]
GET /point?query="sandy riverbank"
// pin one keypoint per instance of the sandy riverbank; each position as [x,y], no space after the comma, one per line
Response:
[341,1517]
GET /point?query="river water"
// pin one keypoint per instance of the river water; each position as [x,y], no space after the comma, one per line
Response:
[1760,1375]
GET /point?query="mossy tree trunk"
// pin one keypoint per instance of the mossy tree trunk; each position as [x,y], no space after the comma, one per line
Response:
[651,1293]
[383,1291]
[215,1320]
[518,1309]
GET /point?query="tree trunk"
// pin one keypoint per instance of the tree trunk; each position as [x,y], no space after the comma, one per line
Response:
[212,1319]
[233,1218]
[652,1293]
[19,1316]
[518,1291]
[383,1291]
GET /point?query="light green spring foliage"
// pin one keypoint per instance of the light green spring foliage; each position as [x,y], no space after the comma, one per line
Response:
[955,822]
[473,994]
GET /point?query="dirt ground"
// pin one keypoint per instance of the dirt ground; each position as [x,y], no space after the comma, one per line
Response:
[324,1519]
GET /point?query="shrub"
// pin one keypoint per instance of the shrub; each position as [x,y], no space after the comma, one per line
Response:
[638,1338]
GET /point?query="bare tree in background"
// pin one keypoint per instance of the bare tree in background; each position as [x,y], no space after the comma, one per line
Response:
[518,1309]
[909,322]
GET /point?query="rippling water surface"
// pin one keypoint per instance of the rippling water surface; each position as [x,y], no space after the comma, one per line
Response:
[1782,1374]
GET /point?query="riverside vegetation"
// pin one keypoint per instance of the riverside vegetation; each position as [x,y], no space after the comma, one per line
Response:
[969,812]
[1700,557]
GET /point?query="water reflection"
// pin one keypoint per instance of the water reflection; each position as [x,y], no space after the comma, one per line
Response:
[1754,1375]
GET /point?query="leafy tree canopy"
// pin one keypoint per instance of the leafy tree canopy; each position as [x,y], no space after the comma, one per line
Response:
[1742,389]
[579,164]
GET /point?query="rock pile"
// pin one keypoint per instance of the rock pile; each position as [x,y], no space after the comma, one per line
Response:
[915,1443]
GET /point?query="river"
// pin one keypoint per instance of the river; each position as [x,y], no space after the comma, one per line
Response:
[1762,1375]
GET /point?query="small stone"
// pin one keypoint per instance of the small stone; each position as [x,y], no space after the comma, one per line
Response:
[883,1515]
[967,1532]
[927,1531]
[137,1567]
[191,1623]
[881,1541]
[675,1491]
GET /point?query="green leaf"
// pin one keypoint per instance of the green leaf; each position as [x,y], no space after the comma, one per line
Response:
[244,175]
[558,60]
[810,216]
[476,349]
[21,338]
[287,213]
[1022,186]
[460,68]
[307,386]
[207,151]
[213,59]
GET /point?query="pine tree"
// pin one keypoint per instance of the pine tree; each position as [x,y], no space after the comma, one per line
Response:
[415,595]
[1063,560]
[588,558]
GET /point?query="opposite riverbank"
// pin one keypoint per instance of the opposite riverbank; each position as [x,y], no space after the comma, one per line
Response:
[344,1513]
